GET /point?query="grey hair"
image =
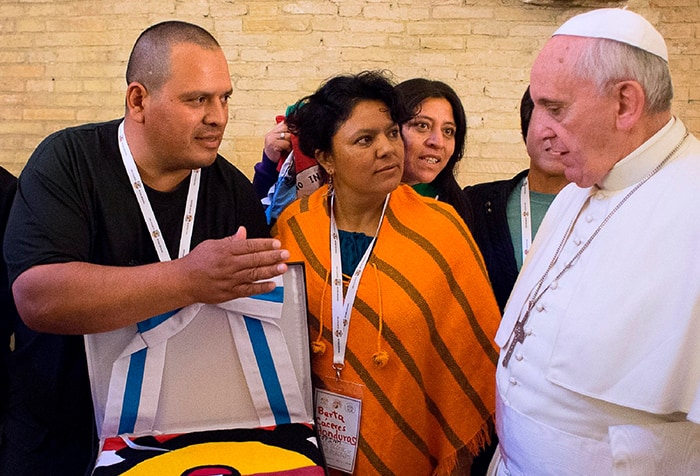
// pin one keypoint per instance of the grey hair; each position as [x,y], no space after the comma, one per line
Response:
[605,62]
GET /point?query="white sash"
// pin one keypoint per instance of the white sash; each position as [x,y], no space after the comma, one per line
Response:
[134,398]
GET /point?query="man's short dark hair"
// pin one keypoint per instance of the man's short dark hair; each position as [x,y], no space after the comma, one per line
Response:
[149,62]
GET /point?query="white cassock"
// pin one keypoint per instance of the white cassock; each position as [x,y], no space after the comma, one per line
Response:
[607,379]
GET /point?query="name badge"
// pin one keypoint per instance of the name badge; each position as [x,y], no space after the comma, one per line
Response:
[338,426]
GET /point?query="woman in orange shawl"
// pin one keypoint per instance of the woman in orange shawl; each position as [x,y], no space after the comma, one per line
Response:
[401,311]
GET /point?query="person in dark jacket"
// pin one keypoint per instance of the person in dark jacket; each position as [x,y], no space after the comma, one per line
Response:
[8,313]
[434,139]
[504,211]
[507,213]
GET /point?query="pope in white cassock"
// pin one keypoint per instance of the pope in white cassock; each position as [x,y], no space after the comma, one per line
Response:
[599,370]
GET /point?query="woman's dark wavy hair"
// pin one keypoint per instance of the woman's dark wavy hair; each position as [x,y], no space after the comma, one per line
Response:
[316,118]
[412,93]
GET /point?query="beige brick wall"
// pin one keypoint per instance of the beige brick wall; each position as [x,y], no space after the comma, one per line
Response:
[62,62]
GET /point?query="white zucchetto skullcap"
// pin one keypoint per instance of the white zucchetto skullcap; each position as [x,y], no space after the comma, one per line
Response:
[619,25]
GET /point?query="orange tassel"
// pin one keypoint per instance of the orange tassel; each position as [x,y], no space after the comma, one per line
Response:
[380,358]
[318,347]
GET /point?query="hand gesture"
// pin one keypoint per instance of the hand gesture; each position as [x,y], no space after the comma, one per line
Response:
[233,267]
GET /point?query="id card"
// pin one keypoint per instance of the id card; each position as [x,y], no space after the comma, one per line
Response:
[338,426]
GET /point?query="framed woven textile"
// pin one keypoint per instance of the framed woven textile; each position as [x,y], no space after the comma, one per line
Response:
[209,389]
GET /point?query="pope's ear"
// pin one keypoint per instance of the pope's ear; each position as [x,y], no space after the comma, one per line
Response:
[136,94]
[631,103]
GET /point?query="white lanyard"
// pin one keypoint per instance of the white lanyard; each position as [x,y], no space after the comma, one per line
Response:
[525,218]
[145,205]
[342,308]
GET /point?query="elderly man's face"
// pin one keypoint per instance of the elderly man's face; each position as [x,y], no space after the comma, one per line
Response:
[576,122]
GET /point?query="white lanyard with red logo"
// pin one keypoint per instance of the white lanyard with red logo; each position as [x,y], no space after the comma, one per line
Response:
[145,205]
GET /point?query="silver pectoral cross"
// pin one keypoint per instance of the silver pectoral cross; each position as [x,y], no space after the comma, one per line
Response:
[517,337]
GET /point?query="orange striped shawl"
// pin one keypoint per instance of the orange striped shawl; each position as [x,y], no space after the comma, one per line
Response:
[430,409]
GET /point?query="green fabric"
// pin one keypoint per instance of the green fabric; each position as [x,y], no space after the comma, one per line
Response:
[352,247]
[539,204]
[426,189]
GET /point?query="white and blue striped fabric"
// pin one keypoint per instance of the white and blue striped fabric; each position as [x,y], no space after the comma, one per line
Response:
[137,373]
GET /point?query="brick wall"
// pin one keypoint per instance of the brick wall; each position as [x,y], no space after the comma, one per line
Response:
[62,62]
